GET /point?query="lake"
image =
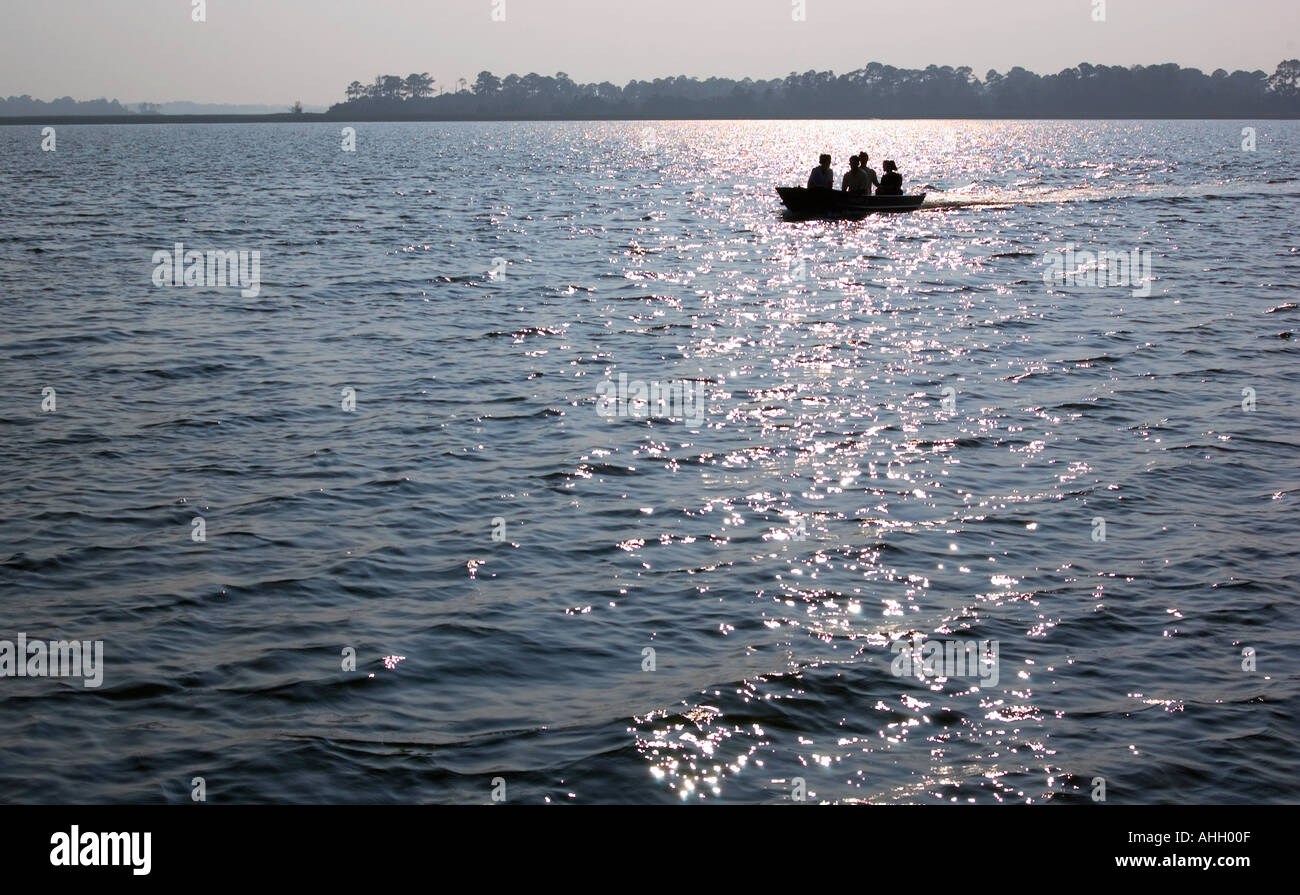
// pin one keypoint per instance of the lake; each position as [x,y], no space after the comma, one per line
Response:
[550,462]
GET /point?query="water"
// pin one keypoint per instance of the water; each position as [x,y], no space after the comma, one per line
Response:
[475,284]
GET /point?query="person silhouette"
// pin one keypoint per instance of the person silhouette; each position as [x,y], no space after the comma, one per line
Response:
[855,179]
[891,183]
[863,158]
[823,176]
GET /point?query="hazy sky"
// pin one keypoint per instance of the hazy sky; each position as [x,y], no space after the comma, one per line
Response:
[278,51]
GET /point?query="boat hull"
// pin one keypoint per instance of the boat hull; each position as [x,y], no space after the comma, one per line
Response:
[835,202]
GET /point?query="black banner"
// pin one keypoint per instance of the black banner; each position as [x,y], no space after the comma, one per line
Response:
[140,845]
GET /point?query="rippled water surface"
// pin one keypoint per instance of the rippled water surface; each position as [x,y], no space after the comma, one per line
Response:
[905,430]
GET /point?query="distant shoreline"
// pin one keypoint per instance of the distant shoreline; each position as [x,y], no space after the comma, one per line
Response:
[327,118]
[268,118]
[874,92]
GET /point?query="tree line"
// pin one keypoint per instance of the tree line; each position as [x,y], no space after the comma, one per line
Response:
[875,91]
[64,105]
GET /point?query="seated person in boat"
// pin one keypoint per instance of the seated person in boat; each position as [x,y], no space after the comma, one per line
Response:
[823,176]
[871,172]
[855,179]
[891,184]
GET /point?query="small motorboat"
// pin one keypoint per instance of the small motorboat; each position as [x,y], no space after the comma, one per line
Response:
[837,202]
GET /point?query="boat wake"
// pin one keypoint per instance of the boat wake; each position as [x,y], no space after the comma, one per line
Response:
[975,195]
